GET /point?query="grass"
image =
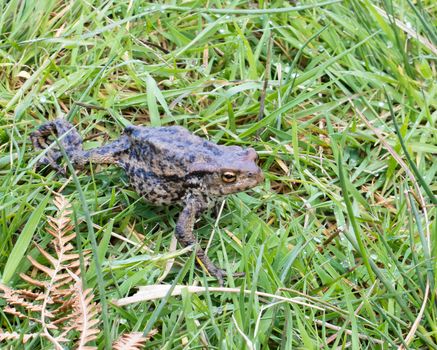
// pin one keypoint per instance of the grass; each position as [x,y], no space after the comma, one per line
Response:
[345,220]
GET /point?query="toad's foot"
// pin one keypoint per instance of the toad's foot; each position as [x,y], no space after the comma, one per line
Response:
[216,272]
[69,139]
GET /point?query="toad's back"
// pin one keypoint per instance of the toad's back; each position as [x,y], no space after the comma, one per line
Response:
[159,160]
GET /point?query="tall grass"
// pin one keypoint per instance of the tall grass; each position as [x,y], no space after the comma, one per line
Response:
[345,220]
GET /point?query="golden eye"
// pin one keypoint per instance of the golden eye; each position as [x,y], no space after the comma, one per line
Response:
[229,177]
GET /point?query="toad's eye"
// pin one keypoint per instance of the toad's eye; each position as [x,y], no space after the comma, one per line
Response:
[229,177]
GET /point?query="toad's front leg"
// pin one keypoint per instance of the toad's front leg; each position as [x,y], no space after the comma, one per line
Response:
[184,234]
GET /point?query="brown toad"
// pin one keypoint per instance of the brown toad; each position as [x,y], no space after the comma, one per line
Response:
[165,165]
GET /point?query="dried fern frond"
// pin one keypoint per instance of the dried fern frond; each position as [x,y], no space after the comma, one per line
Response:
[59,279]
[13,311]
[59,304]
[133,340]
[29,294]
[33,281]
[4,288]
[85,311]
[16,298]
[15,336]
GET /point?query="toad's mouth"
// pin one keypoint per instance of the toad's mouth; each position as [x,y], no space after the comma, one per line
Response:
[255,177]
[259,176]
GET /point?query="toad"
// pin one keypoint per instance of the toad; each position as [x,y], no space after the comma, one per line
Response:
[165,165]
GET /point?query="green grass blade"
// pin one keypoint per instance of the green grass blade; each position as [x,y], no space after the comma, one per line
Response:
[413,166]
[425,20]
[152,91]
[357,231]
[21,246]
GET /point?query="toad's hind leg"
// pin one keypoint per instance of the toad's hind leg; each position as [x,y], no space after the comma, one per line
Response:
[184,234]
[107,154]
[71,142]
